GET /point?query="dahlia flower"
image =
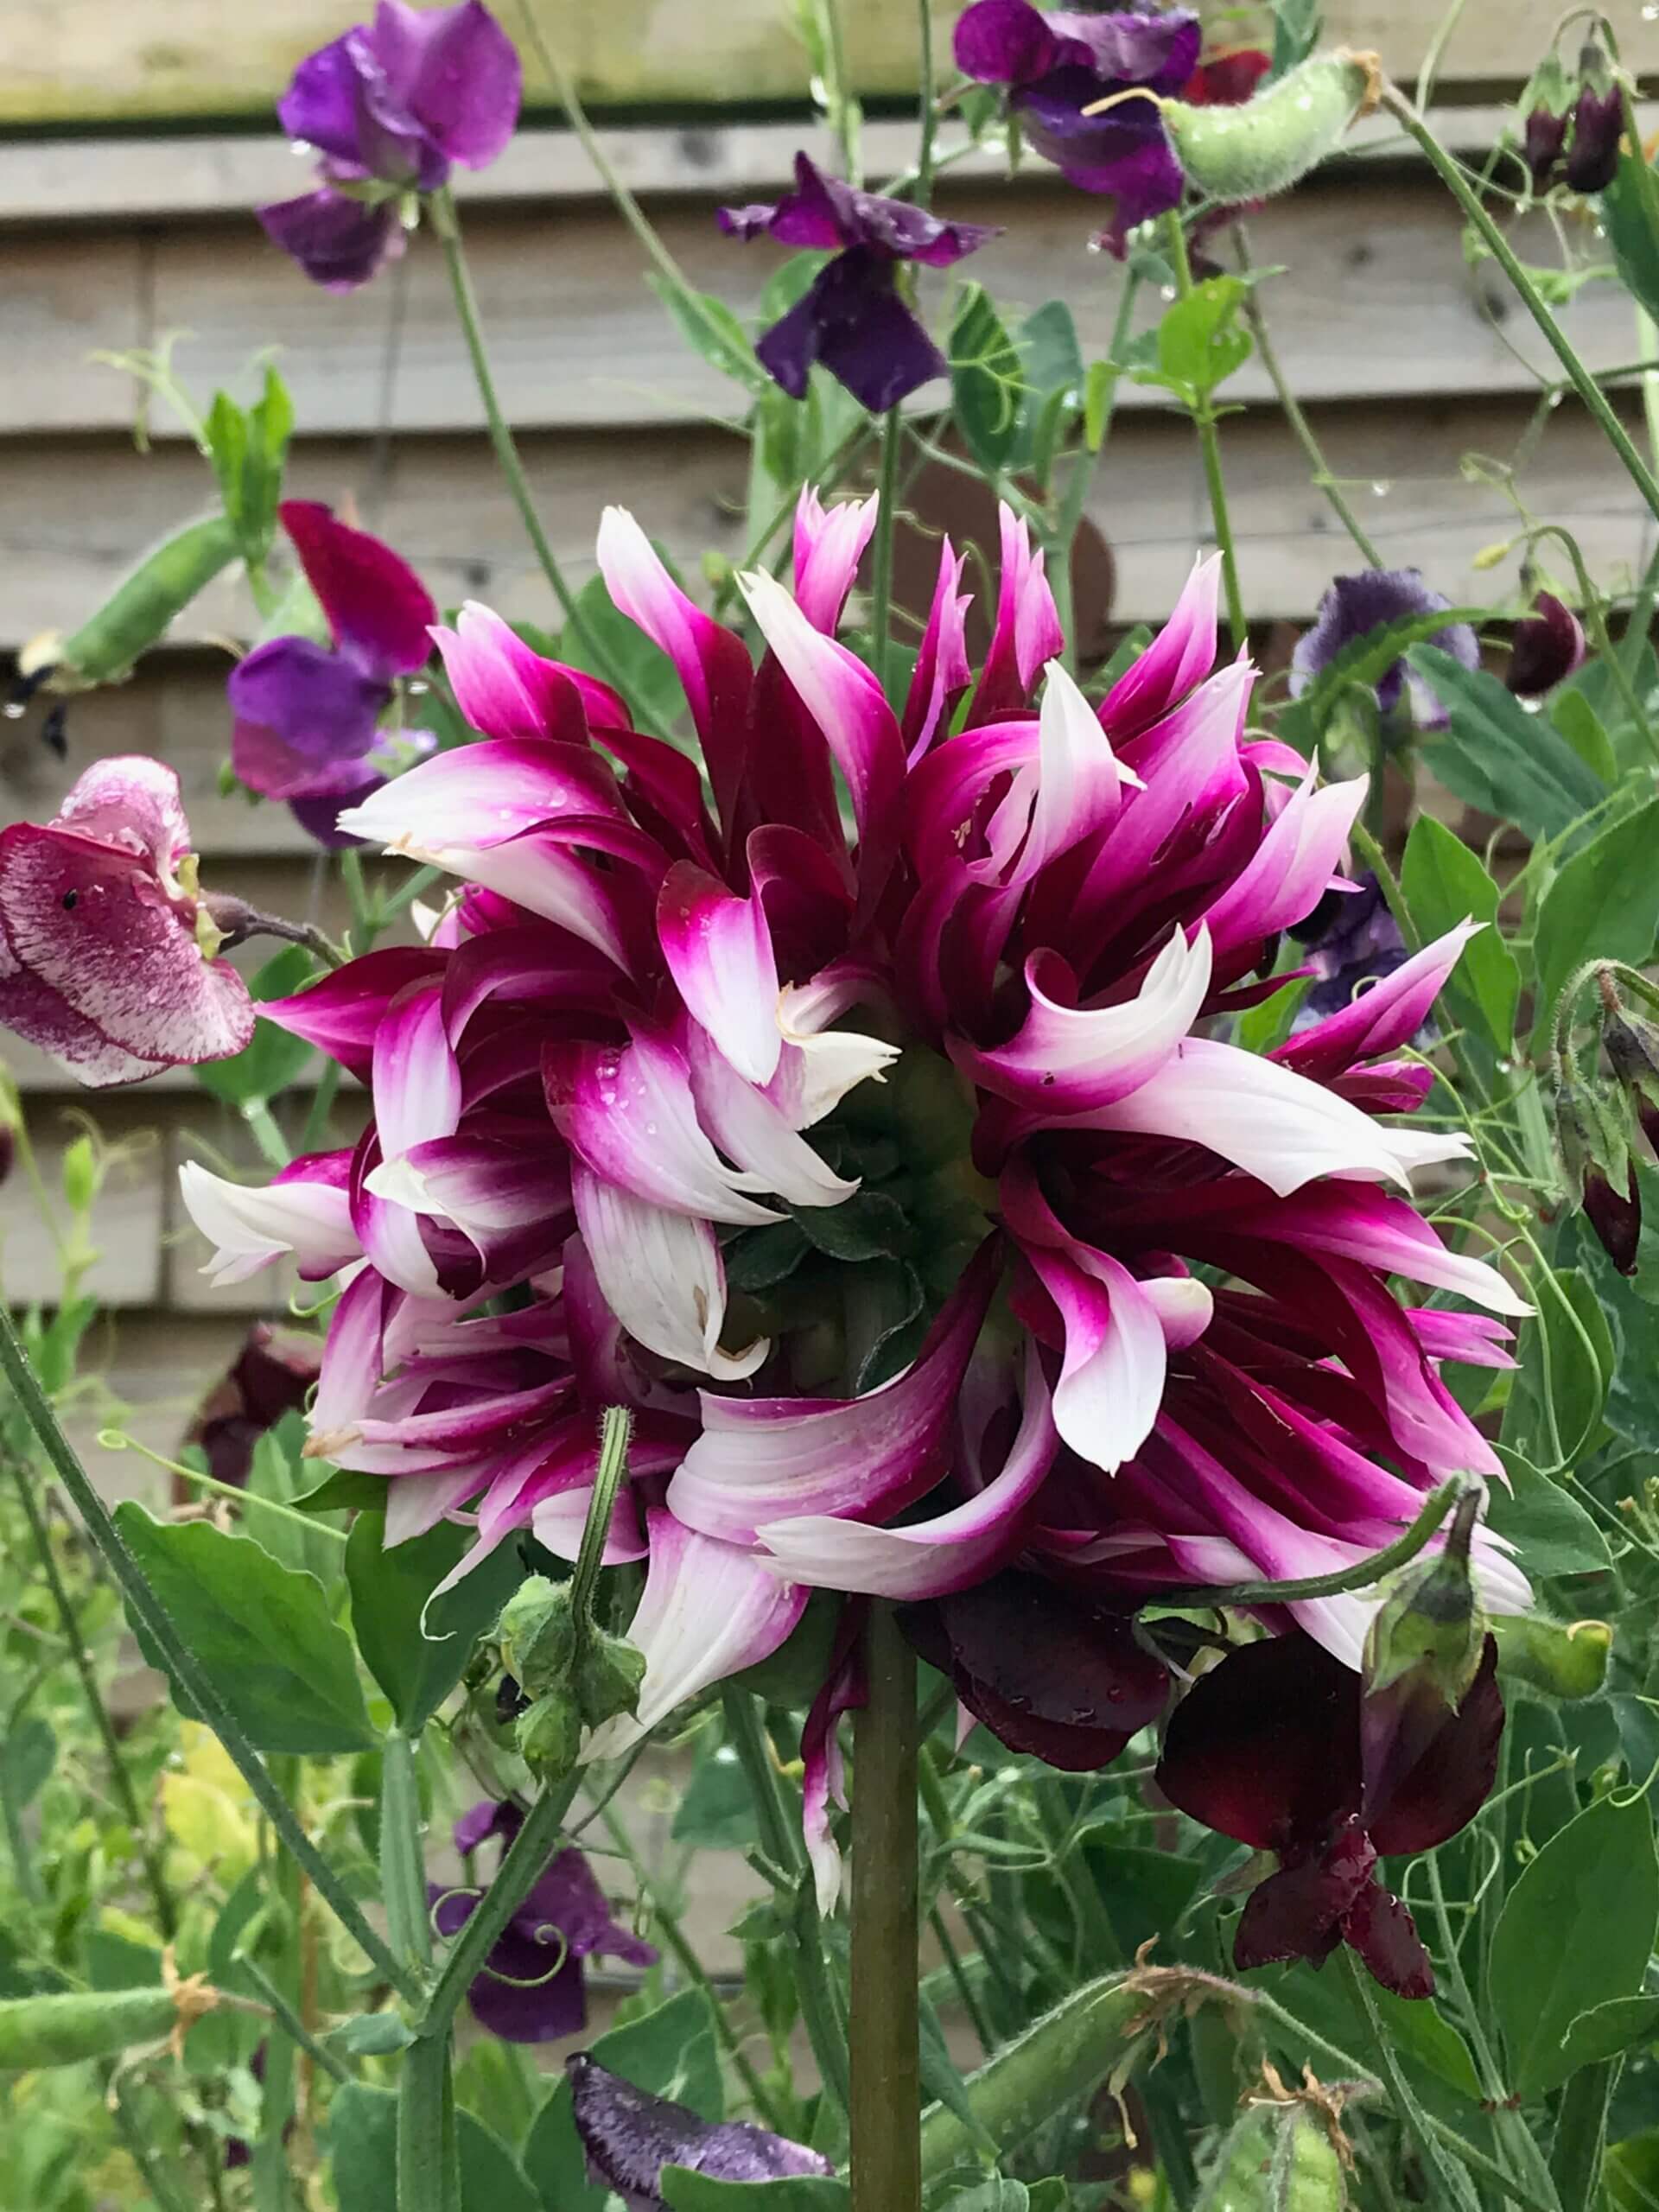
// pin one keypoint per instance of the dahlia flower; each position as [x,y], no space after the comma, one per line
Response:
[858,1110]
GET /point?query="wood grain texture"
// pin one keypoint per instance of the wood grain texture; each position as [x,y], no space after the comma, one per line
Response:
[107,61]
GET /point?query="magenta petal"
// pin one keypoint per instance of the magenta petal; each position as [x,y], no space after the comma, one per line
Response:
[377,607]
[338,242]
[506,689]
[342,1013]
[456,72]
[1386,1015]
[719,952]
[479,796]
[1028,632]
[943,672]
[1177,659]
[823,1775]
[829,542]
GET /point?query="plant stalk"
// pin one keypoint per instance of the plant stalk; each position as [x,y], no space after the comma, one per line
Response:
[884,2034]
[1204,418]
[886,518]
[526,1855]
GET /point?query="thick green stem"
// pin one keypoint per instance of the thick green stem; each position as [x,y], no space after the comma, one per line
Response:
[1492,237]
[429,2168]
[882,566]
[402,1866]
[1204,418]
[526,1856]
[200,1687]
[884,2034]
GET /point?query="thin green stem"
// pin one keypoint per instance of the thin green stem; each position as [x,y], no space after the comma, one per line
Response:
[403,1868]
[1063,544]
[1360,1576]
[884,2034]
[429,2172]
[1584,384]
[140,2148]
[525,1857]
[446,223]
[1291,408]
[959,1976]
[289,2019]
[1454,2183]
[892,434]
[1204,418]
[929,118]
[198,1685]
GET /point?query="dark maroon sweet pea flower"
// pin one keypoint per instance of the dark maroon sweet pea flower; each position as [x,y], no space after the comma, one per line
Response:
[1047,1670]
[1268,1748]
[1544,144]
[852,319]
[1058,64]
[564,1919]
[1356,605]
[273,1376]
[1598,124]
[629,2137]
[307,716]
[1547,646]
[1227,79]
[389,108]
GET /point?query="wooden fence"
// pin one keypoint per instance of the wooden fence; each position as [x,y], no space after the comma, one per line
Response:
[1407,360]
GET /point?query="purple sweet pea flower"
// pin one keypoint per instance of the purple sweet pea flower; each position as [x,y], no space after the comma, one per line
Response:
[852,319]
[307,717]
[389,108]
[565,1918]
[1356,605]
[1352,941]
[1058,64]
[629,2137]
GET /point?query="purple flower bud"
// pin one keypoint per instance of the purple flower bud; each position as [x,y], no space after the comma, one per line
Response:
[1597,126]
[1616,1220]
[1632,1048]
[1544,144]
[629,2136]
[1547,646]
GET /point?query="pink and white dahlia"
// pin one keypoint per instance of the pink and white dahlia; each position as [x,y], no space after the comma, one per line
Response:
[853,1102]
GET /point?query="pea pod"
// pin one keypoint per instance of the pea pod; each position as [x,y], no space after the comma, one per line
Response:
[1278,2159]
[1234,154]
[61,2030]
[1062,2058]
[1561,1662]
[139,610]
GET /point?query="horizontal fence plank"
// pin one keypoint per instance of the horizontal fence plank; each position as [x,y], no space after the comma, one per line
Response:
[110,59]
[1376,300]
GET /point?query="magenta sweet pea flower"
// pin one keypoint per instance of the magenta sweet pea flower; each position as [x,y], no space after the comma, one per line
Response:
[1271,1748]
[856,1106]
[853,319]
[1355,605]
[389,108]
[530,1988]
[629,2136]
[1059,63]
[106,945]
[308,717]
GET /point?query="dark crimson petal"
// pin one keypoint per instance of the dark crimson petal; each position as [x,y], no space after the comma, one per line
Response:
[338,241]
[1295,1914]
[1448,1781]
[1616,1220]
[380,612]
[1047,1670]
[1382,1932]
[1227,79]
[853,321]
[1265,1747]
[1597,122]
[1547,646]
[1004,42]
[629,2136]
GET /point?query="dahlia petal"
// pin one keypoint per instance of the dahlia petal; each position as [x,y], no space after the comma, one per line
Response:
[377,608]
[505,688]
[1068,1060]
[1177,659]
[718,948]
[484,1185]
[1112,1375]
[711,664]
[249,1226]
[1380,1231]
[943,671]
[342,1013]
[829,543]
[927,1559]
[749,1129]
[661,1274]
[630,1113]
[1079,780]
[823,1768]
[352,1359]
[484,796]
[1291,865]
[1027,631]
[558,1524]
[760,1459]
[1184,1306]
[708,1610]
[416,1082]
[536,871]
[1387,1015]
[1474,1338]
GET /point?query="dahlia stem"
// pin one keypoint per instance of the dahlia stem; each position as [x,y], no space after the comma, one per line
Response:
[1584,384]
[447,222]
[884,2034]
[201,1688]
[1203,419]
[893,431]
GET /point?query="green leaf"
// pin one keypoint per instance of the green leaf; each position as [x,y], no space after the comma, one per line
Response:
[717,1811]
[418,1666]
[1627,217]
[969,2191]
[1582,727]
[1145,1892]
[869,1226]
[1048,346]
[1201,341]
[671,2052]
[710,328]
[1262,1027]
[765,1257]
[1603,902]
[1575,1933]
[1296,28]
[1444,884]
[362,2139]
[343,1489]
[261,1629]
[1497,756]
[1570,1330]
[272,1059]
[279,1472]
[684,2191]
[986,381]
[373,2035]
[1416,2028]
[1363,663]
[1551,1531]
[27,1755]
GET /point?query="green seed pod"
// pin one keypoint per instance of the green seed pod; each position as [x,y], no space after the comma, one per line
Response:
[538,1635]
[137,613]
[1568,1664]
[608,1675]
[60,2031]
[1232,154]
[1278,2159]
[549,1735]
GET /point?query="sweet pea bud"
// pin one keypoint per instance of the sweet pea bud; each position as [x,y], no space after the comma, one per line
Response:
[1282,2154]
[1632,1048]
[538,1635]
[143,606]
[1235,154]
[1568,1664]
[548,1734]
[81,1176]
[1598,126]
[1423,1651]
[608,1675]
[1598,1161]
[1547,646]
[1544,108]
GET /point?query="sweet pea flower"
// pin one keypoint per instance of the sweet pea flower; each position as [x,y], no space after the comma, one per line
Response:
[628,2137]
[272,1374]
[852,1106]
[1546,647]
[389,108]
[853,319]
[530,1988]
[1059,63]
[307,716]
[1355,605]
[106,944]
